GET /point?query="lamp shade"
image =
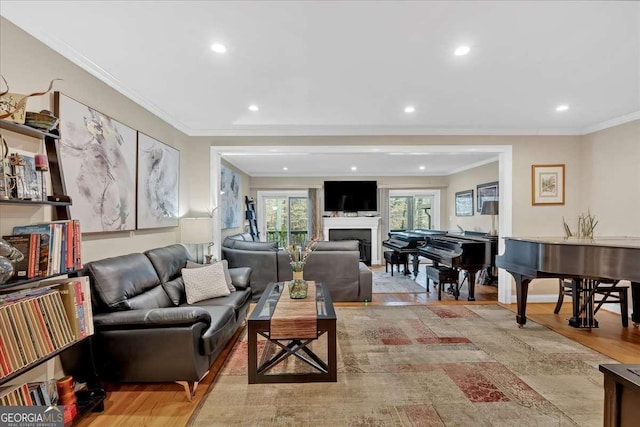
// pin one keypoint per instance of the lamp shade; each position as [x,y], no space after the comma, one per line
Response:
[196,230]
[489,207]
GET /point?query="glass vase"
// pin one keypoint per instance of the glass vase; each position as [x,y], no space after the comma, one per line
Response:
[298,286]
[298,289]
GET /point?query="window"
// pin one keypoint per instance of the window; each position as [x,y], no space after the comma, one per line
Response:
[413,209]
[285,217]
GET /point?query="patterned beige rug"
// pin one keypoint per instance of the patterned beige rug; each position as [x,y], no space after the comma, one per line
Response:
[424,366]
[385,283]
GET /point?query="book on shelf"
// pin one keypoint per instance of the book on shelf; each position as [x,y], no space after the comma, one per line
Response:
[36,322]
[45,232]
[25,267]
[27,394]
[49,248]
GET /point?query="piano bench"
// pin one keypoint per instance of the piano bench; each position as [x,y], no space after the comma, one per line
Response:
[441,275]
[610,293]
[395,258]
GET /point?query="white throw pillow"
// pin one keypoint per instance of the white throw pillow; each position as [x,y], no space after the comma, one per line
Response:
[227,275]
[205,283]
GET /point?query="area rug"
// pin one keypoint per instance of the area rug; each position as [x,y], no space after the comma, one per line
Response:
[384,283]
[466,365]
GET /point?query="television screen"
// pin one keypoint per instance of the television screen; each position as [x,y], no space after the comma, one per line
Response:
[350,196]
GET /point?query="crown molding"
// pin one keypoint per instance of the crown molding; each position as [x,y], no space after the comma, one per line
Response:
[277,130]
[611,123]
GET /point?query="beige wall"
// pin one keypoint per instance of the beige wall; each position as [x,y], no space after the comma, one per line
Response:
[610,179]
[468,180]
[28,66]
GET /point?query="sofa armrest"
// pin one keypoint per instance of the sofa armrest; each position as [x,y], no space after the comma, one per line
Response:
[151,318]
[240,277]
[366,282]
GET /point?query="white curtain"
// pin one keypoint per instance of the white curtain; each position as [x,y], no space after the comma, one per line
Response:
[383,205]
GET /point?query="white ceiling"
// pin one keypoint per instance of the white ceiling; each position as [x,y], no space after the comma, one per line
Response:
[350,68]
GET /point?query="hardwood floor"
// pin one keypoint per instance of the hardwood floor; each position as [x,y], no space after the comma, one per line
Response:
[166,405]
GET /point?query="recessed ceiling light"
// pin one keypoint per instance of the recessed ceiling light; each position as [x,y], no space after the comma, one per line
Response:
[285,168]
[421,168]
[462,50]
[253,107]
[409,109]
[353,168]
[562,108]
[218,48]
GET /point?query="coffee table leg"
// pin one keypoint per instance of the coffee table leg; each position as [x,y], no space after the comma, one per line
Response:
[331,352]
[252,350]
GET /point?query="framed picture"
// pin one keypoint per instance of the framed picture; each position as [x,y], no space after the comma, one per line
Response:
[464,203]
[98,157]
[547,184]
[230,206]
[158,183]
[486,192]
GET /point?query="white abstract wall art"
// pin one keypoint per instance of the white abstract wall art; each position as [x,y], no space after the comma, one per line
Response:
[98,163]
[230,208]
[158,183]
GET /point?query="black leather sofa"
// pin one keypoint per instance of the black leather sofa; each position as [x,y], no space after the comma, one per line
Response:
[334,263]
[144,329]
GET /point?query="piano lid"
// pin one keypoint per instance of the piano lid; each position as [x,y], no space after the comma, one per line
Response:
[614,242]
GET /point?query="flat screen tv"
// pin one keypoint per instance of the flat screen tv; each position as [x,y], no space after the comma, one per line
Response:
[350,196]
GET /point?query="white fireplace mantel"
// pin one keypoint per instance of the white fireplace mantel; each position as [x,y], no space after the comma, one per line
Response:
[359,222]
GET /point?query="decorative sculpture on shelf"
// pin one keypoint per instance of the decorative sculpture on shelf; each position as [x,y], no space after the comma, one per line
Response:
[8,257]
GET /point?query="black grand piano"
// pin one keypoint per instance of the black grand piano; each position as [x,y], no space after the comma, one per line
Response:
[408,242]
[471,254]
[610,259]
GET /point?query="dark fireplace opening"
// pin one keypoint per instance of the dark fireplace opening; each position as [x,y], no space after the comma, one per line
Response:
[362,235]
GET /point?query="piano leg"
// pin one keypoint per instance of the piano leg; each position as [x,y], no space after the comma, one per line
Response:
[416,265]
[522,290]
[635,301]
[472,285]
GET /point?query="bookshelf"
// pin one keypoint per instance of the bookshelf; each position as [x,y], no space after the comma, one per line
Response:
[38,333]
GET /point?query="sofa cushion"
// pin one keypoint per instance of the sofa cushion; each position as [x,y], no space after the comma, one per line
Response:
[255,246]
[225,266]
[337,245]
[204,283]
[235,300]
[168,263]
[127,282]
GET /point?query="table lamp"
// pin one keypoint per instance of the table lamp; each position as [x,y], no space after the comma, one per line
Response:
[198,231]
[490,207]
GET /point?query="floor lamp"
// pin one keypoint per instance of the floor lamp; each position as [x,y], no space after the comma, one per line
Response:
[198,231]
[491,208]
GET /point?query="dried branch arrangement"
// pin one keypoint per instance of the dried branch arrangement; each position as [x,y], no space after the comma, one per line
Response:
[586,224]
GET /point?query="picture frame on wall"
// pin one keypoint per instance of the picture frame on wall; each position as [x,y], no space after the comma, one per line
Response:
[487,192]
[98,156]
[230,204]
[464,203]
[547,184]
[158,183]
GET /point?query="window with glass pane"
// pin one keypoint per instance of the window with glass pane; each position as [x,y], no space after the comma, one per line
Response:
[399,213]
[286,220]
[410,212]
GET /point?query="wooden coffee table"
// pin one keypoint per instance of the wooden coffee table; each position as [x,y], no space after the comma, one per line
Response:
[259,325]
